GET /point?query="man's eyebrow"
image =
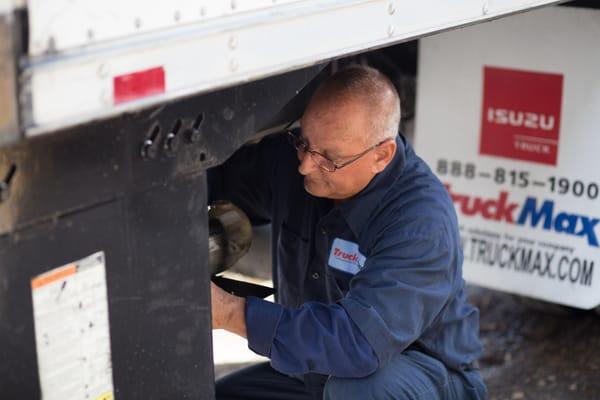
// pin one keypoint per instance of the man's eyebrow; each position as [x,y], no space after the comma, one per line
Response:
[330,154]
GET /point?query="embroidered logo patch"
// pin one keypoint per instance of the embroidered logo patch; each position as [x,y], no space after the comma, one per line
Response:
[344,256]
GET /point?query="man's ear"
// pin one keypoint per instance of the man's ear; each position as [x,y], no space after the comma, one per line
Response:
[383,155]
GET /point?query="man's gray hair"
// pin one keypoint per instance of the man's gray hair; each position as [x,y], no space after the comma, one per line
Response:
[371,88]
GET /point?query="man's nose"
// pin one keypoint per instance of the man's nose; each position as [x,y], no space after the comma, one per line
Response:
[307,165]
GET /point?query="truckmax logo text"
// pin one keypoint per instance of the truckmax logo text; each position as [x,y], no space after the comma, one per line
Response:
[521,115]
[345,256]
[351,257]
[532,213]
[520,257]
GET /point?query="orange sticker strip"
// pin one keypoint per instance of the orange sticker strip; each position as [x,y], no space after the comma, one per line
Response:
[53,276]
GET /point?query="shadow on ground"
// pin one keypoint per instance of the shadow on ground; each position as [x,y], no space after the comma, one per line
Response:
[531,354]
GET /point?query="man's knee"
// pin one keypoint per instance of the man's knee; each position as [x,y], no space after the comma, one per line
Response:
[403,378]
[379,385]
[349,388]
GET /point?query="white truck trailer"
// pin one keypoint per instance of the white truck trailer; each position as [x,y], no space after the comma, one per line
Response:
[508,117]
[110,113]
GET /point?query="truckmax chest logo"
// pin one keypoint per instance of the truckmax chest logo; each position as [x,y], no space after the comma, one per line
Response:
[521,114]
[344,256]
[531,213]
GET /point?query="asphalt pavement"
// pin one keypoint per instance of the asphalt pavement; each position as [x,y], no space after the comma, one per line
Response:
[537,355]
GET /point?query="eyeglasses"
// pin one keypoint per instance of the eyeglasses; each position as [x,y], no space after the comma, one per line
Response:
[321,160]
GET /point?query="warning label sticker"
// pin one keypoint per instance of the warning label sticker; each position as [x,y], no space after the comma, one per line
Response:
[70,310]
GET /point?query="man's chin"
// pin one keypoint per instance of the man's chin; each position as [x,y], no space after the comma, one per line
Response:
[313,189]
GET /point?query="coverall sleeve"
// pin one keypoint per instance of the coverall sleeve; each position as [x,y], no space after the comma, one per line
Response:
[313,338]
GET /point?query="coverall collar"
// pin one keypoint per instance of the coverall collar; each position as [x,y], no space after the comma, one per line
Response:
[358,209]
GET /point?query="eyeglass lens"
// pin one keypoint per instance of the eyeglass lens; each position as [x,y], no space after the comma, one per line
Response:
[302,147]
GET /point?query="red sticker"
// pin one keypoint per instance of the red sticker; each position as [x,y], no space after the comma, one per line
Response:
[137,85]
[521,114]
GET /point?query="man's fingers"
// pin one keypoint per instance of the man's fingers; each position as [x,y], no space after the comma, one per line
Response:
[214,294]
[218,299]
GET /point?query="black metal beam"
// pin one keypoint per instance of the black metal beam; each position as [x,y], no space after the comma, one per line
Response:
[135,188]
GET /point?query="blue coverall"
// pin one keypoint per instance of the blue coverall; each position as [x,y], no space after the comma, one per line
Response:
[370,295]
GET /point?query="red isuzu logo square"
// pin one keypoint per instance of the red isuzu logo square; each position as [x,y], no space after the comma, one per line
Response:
[521,114]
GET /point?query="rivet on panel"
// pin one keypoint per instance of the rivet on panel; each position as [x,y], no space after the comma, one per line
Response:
[202,11]
[232,43]
[233,65]
[233,4]
[485,9]
[390,30]
[138,23]
[228,114]
[177,16]
[391,8]
[102,71]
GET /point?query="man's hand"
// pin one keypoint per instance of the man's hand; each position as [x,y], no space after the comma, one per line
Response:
[228,311]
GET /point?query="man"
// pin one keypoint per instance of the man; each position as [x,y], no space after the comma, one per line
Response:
[367,259]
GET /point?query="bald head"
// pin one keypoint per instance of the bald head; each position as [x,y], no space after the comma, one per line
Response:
[364,89]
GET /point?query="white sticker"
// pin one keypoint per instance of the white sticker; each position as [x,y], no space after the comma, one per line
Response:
[70,310]
[345,256]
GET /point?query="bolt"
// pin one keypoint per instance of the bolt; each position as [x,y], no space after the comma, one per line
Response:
[170,145]
[194,133]
[148,150]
